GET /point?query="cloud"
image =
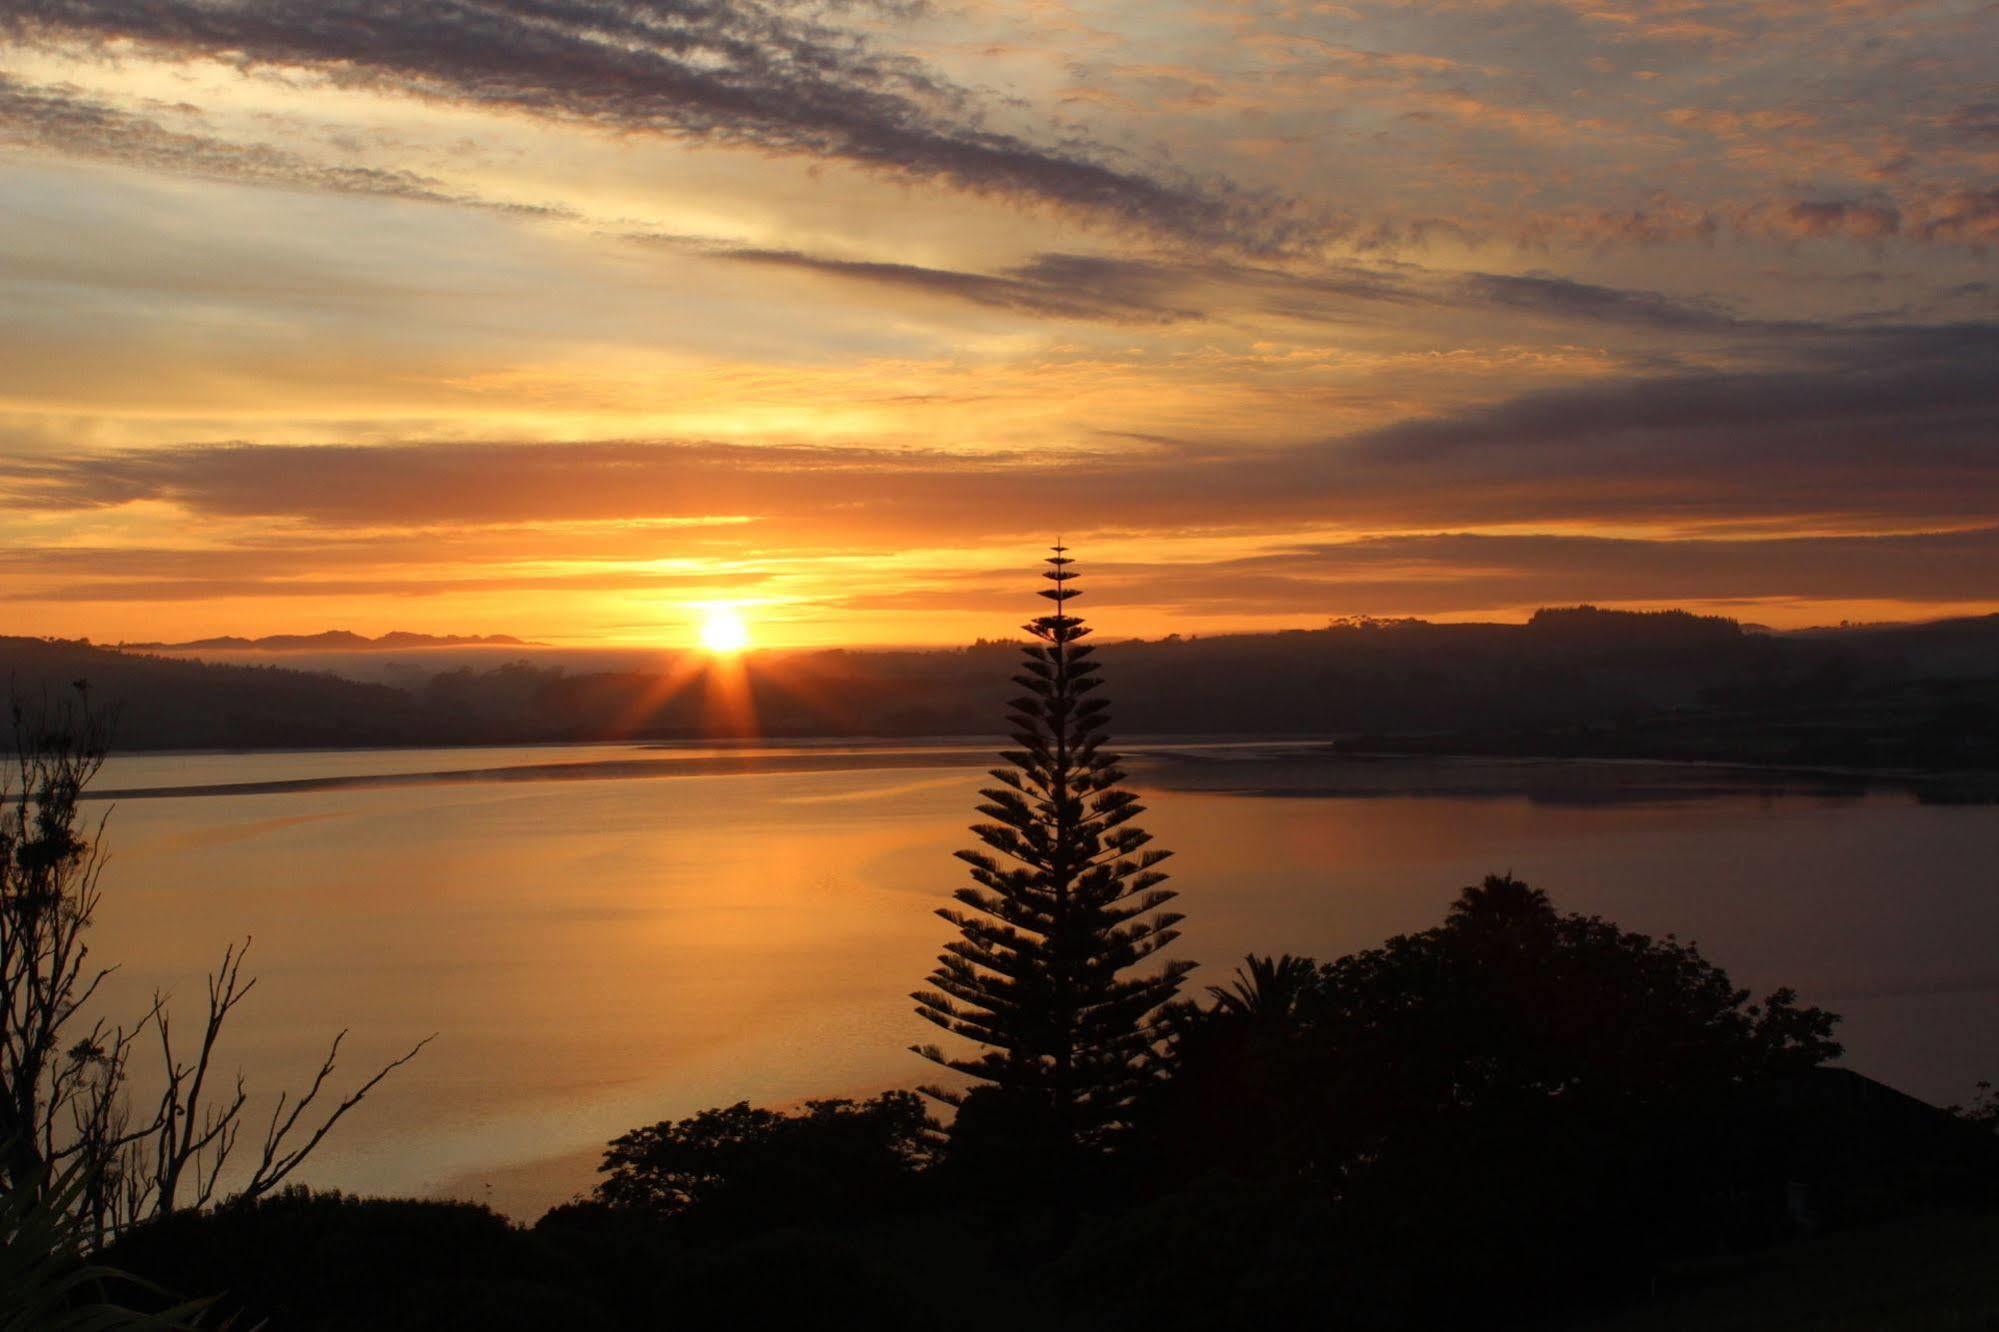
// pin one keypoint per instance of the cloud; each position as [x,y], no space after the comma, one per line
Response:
[1108,289]
[1104,288]
[1447,573]
[1660,220]
[1021,290]
[1967,216]
[1860,219]
[1979,120]
[747,73]
[1313,292]
[409,585]
[1426,573]
[1418,572]
[1883,426]
[1875,422]
[1565,298]
[819,81]
[64,120]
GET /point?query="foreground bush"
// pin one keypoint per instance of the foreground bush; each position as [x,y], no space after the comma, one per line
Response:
[723,1170]
[304,1260]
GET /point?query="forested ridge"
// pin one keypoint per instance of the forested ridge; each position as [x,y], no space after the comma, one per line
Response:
[1577,681]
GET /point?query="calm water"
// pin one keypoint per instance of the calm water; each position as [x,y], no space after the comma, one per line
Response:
[603,936]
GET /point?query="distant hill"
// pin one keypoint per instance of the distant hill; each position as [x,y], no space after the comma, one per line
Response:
[1576,680]
[168,703]
[1968,645]
[333,640]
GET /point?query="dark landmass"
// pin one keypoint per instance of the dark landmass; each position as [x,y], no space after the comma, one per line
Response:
[1912,726]
[1576,682]
[332,640]
[170,703]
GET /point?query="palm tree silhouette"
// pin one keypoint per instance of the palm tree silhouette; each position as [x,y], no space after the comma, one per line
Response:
[1267,991]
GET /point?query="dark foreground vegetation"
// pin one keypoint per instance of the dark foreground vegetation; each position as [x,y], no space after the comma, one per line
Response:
[83,1158]
[1575,682]
[1517,1118]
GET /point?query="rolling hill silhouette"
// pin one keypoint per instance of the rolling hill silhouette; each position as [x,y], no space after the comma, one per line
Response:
[1577,680]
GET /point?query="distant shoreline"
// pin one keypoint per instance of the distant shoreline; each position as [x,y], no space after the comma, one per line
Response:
[1189,763]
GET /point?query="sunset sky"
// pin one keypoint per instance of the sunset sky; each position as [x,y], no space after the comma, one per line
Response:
[568,319]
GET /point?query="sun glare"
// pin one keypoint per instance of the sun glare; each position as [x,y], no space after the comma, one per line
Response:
[723,629]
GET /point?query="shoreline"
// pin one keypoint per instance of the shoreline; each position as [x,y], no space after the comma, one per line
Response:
[1186,758]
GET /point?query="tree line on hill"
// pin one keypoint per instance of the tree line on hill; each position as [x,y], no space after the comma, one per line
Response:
[1577,681]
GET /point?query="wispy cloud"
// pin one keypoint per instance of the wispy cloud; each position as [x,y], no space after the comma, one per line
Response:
[1025,290]
[1165,290]
[1566,298]
[748,73]
[68,121]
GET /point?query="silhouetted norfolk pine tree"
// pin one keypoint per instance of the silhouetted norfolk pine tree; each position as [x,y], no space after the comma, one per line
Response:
[1067,900]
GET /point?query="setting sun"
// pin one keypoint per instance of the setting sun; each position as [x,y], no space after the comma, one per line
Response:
[723,629]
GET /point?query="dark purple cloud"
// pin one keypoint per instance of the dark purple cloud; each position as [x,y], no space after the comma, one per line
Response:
[1021,291]
[1565,298]
[1120,290]
[1910,397]
[1103,288]
[1979,120]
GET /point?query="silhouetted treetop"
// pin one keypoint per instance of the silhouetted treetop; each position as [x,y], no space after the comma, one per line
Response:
[736,1164]
[1511,996]
[1266,989]
[1508,1007]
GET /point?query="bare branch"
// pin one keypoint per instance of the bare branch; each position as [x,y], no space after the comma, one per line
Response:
[278,1163]
[63,1095]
